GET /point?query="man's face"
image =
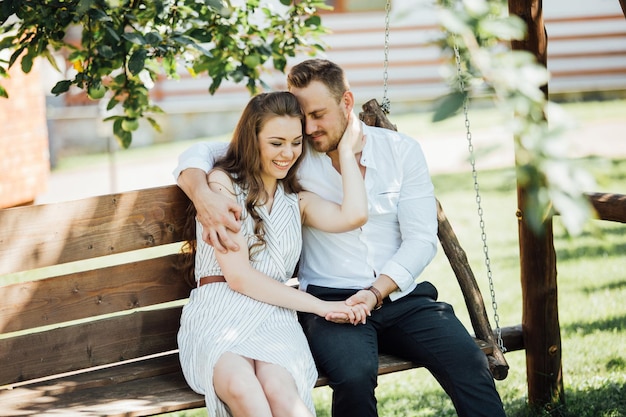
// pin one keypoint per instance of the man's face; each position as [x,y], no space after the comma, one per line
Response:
[326,120]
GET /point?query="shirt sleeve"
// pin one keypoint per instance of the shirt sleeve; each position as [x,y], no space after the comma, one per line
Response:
[417,217]
[201,155]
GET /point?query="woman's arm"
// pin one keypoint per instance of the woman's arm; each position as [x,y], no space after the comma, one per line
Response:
[243,278]
[352,213]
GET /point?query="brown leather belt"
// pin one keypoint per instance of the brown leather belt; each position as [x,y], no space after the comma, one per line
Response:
[211,279]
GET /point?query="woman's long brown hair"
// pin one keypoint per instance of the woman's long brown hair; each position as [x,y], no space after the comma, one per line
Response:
[243,162]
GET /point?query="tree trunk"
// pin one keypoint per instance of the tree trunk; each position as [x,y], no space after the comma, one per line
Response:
[540,320]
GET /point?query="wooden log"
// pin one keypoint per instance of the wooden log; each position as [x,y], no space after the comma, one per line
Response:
[513,338]
[471,293]
[540,319]
[611,207]
[373,115]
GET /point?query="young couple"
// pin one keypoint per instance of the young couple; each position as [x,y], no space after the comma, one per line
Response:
[302,173]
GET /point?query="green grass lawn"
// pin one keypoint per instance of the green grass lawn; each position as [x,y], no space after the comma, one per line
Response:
[592,312]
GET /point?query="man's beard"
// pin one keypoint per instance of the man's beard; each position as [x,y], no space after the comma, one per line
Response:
[325,147]
[333,139]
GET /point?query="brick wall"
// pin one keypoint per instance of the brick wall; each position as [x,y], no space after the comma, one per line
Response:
[24,155]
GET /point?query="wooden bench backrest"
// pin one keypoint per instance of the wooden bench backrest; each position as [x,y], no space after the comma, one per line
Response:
[90,282]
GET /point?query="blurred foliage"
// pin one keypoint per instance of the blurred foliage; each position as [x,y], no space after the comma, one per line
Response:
[122,46]
[477,39]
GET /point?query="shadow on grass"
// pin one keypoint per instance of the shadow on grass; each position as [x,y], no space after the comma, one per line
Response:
[586,328]
[589,252]
[611,286]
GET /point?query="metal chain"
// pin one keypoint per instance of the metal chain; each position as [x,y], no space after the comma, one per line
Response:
[386,104]
[483,233]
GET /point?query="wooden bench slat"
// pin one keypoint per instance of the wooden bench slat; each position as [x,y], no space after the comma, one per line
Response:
[139,397]
[51,234]
[63,384]
[91,293]
[146,387]
[89,344]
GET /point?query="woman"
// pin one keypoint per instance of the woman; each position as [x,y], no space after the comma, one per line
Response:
[240,342]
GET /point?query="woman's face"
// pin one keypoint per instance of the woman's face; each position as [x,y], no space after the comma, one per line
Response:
[280,142]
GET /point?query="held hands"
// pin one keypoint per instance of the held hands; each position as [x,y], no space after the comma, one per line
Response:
[361,301]
[340,312]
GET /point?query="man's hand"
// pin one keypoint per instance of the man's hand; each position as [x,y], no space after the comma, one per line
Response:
[364,297]
[215,212]
[210,211]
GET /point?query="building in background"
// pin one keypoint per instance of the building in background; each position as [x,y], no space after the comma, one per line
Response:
[24,161]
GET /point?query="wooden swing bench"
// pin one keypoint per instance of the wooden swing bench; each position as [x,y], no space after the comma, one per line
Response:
[90,327]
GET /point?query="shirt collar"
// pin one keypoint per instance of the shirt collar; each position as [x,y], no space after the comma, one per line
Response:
[367,159]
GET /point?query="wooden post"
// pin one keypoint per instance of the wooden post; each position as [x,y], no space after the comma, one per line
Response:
[540,320]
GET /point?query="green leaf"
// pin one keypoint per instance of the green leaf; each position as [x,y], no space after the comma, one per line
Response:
[112,33]
[449,106]
[153,38]
[313,21]
[83,7]
[199,34]
[137,61]
[16,54]
[3,92]
[99,15]
[154,124]
[125,139]
[61,87]
[27,63]
[215,4]
[112,103]
[7,42]
[134,37]
[280,63]
[105,50]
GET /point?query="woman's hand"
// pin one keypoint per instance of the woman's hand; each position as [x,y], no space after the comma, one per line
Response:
[352,140]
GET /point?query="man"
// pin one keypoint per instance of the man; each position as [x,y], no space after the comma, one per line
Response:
[377,264]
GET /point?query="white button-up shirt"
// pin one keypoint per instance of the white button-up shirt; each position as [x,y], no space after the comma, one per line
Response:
[400,236]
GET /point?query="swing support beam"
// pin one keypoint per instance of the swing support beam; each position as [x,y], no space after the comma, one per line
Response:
[540,319]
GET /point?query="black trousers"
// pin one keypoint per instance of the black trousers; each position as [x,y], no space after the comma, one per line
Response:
[415,327]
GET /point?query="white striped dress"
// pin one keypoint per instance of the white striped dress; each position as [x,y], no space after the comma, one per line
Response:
[217,319]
